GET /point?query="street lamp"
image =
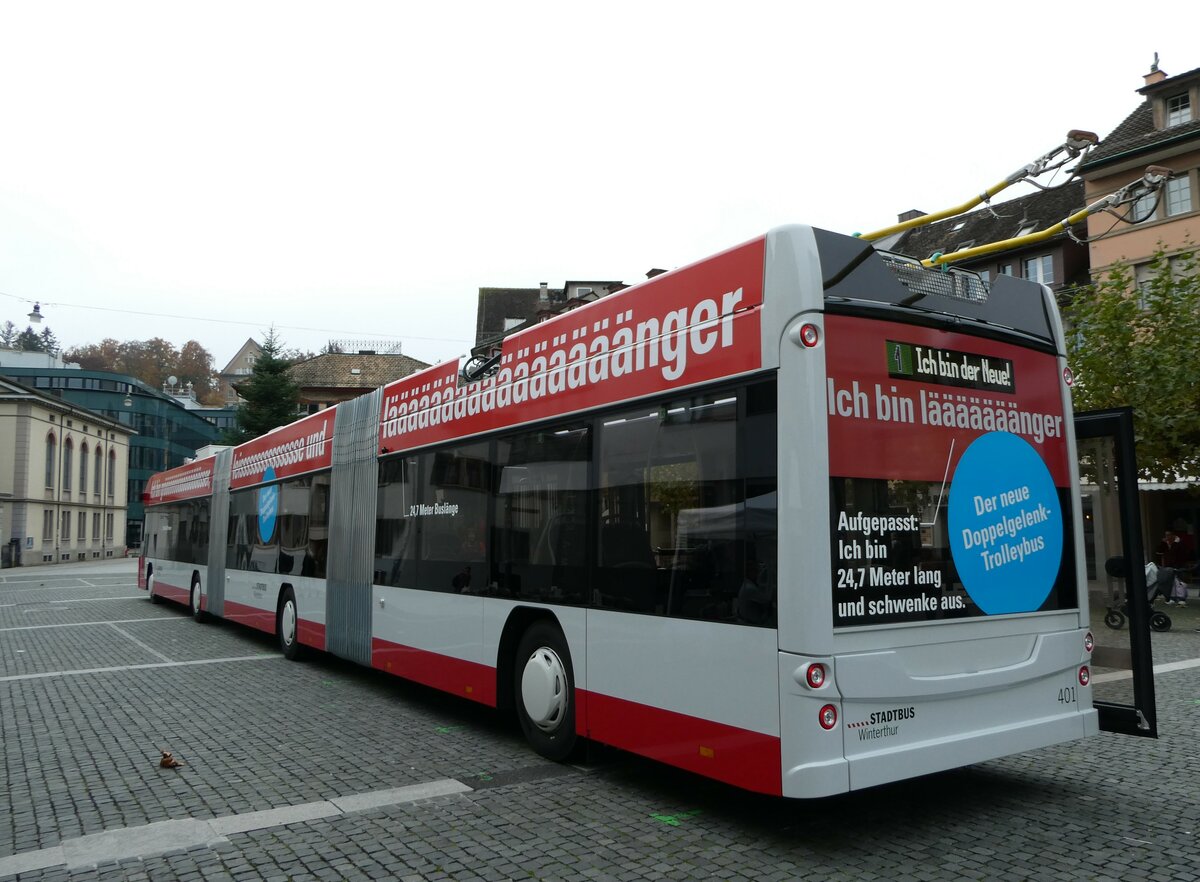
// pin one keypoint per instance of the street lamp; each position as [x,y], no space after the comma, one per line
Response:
[36,315]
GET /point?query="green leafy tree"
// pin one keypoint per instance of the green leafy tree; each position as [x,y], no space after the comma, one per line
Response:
[270,398]
[1134,345]
[8,334]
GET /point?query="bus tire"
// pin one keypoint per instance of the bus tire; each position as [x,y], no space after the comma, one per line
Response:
[287,620]
[544,691]
[194,602]
[154,598]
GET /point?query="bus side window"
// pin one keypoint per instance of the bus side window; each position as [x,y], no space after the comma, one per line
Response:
[540,516]
[687,517]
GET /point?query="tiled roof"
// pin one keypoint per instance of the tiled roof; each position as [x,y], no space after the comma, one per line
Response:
[333,371]
[1043,207]
[1136,134]
[498,304]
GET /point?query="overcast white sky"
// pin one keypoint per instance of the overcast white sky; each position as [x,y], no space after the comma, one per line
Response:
[351,169]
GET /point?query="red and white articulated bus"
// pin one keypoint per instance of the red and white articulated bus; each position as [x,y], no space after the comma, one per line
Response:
[801,517]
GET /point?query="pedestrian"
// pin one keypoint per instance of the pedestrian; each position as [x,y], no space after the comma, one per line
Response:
[1170,556]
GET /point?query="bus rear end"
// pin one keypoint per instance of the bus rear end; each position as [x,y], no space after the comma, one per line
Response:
[932,611]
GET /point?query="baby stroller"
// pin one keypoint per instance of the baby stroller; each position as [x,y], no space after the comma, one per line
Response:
[1157,584]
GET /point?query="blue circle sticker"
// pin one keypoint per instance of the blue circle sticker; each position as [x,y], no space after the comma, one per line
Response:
[268,507]
[1006,527]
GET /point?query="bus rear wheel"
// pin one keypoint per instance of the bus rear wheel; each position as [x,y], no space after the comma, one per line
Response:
[544,687]
[287,626]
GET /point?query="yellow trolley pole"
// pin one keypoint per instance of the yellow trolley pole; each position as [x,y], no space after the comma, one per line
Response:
[1078,143]
[1150,182]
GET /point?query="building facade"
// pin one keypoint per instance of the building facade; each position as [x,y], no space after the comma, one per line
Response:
[1163,130]
[1060,262]
[324,380]
[239,368]
[63,480]
[166,433]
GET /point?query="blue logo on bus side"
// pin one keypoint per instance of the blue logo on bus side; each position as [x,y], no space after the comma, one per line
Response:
[1006,527]
[268,506]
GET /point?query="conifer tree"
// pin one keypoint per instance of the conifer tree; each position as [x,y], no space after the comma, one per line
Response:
[270,398]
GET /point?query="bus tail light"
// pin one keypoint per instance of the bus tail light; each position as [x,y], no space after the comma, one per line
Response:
[1085,676]
[815,676]
[827,717]
[1089,642]
[810,336]
[1068,377]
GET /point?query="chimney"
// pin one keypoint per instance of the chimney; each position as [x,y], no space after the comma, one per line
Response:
[909,215]
[1155,75]
[651,273]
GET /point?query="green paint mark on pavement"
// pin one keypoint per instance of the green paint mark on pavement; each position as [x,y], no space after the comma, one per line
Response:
[673,820]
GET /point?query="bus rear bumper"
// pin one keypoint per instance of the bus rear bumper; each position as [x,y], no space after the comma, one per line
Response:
[839,775]
[869,770]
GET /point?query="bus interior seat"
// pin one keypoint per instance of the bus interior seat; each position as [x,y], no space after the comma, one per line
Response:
[627,566]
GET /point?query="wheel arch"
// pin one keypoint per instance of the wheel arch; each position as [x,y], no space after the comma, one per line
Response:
[518,623]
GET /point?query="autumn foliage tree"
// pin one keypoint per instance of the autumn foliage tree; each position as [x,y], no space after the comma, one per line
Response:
[153,361]
[1135,345]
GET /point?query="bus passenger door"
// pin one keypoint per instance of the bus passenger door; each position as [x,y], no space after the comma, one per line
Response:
[1115,557]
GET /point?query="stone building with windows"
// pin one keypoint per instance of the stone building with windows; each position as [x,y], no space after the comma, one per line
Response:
[1060,262]
[1163,130]
[164,431]
[63,480]
[324,380]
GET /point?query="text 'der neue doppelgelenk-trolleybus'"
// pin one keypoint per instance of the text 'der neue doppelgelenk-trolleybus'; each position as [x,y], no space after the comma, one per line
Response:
[800,517]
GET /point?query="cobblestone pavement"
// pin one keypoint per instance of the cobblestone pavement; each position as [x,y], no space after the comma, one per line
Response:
[323,771]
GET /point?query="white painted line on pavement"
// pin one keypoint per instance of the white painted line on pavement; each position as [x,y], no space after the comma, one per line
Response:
[150,649]
[31,861]
[175,664]
[23,586]
[163,618]
[165,837]
[1164,668]
[94,599]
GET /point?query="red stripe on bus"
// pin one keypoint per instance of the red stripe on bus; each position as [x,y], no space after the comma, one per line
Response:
[454,675]
[736,756]
[263,620]
[170,592]
[311,633]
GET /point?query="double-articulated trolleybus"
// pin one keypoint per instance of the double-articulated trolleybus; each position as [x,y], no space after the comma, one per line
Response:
[801,517]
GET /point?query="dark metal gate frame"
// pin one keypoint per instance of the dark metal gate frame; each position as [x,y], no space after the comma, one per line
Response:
[1140,718]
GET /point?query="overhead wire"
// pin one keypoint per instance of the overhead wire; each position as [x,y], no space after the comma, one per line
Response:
[197,318]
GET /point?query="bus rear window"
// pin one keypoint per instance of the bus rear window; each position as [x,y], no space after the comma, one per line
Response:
[949,480]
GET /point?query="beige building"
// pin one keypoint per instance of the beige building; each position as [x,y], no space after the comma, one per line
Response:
[63,480]
[239,368]
[1163,130]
